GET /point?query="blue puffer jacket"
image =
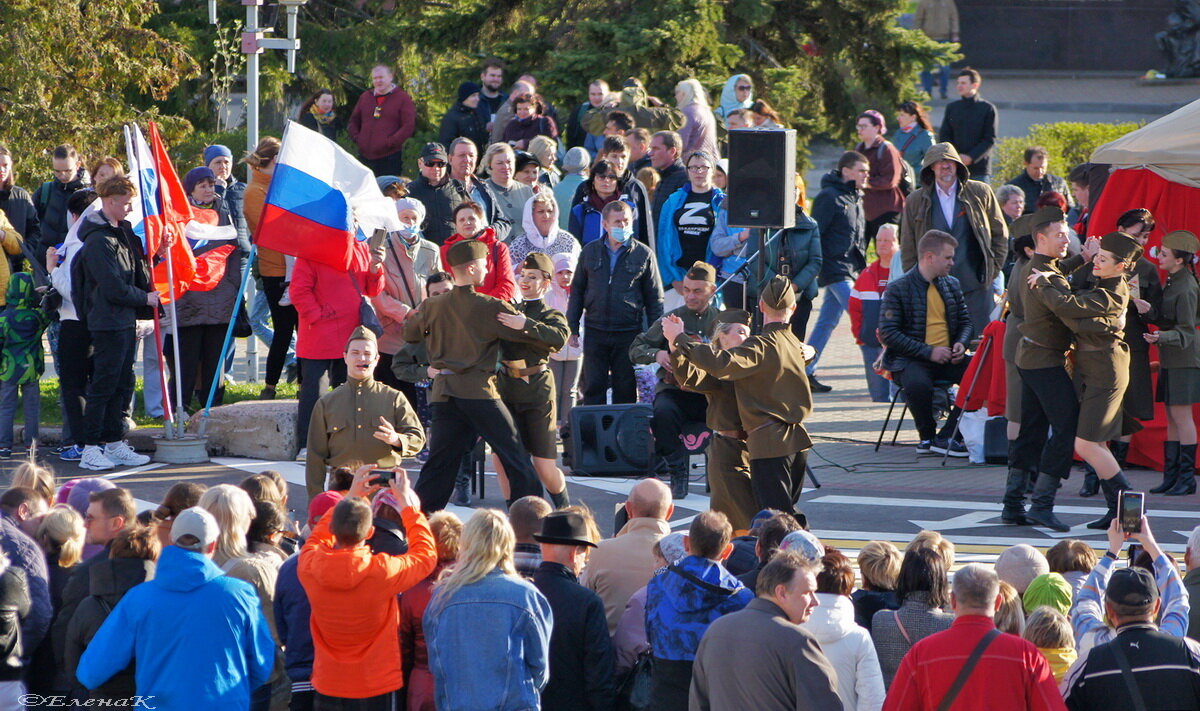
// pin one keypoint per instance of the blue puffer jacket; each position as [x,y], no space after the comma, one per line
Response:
[25,554]
[679,610]
[199,637]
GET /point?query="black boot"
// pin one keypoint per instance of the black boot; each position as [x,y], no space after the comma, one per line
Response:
[679,485]
[1186,468]
[1091,484]
[1112,489]
[1041,513]
[1014,498]
[1170,468]
[1120,450]
[561,499]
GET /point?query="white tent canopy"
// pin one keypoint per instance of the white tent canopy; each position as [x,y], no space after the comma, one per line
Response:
[1169,146]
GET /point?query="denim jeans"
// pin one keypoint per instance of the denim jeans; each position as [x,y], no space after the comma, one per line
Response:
[837,299]
[943,78]
[879,386]
[8,408]
[152,394]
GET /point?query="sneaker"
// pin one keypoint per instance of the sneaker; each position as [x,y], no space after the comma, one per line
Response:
[286,299]
[422,456]
[93,458]
[267,393]
[72,453]
[817,386]
[5,453]
[925,446]
[954,448]
[302,455]
[121,453]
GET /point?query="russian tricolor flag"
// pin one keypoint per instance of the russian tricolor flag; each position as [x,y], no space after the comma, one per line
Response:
[320,196]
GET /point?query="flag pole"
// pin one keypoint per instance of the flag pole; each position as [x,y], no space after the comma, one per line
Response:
[179,420]
[218,374]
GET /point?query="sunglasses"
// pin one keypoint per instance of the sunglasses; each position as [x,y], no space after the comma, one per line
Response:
[435,164]
[744,88]
[606,177]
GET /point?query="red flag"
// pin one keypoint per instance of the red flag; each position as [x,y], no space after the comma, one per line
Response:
[175,213]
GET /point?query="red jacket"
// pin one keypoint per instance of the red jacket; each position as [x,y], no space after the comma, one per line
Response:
[865,298]
[987,371]
[328,304]
[385,135]
[499,282]
[355,613]
[1012,674]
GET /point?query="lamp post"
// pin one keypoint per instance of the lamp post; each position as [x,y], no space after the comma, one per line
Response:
[253,44]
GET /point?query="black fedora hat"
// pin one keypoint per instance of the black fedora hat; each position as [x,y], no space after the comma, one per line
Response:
[565,528]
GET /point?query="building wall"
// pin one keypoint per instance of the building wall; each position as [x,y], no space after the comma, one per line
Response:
[1074,35]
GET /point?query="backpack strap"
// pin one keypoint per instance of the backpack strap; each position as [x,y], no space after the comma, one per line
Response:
[965,673]
[699,582]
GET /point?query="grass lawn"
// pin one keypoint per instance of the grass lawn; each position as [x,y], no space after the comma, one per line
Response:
[52,413]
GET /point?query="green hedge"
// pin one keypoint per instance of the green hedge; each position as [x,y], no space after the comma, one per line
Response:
[1068,143]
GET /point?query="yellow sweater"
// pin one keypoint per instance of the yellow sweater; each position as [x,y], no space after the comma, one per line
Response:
[10,242]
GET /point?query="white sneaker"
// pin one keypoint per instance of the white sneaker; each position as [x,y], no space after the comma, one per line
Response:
[302,455]
[93,458]
[286,299]
[121,453]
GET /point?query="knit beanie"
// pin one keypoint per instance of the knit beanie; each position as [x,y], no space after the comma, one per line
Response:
[672,548]
[576,160]
[1050,589]
[1020,564]
[216,150]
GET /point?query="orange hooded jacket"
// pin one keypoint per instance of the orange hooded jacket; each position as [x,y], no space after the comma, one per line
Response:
[355,615]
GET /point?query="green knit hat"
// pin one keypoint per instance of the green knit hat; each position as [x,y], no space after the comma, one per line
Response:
[1050,589]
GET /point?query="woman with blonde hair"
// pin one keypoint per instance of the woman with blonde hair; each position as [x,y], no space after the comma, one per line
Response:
[499,665]
[236,513]
[61,534]
[30,475]
[699,132]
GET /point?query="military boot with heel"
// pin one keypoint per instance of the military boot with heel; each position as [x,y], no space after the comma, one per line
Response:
[1185,468]
[1170,468]
[1041,513]
[1014,498]
[1112,489]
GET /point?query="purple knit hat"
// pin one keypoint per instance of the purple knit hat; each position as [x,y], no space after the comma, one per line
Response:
[877,119]
[78,498]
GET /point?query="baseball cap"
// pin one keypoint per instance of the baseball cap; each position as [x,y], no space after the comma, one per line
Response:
[433,151]
[321,504]
[1131,586]
[195,522]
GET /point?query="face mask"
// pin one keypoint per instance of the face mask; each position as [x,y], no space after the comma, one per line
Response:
[620,234]
[410,232]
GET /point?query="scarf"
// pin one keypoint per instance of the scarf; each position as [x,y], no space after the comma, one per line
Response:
[323,118]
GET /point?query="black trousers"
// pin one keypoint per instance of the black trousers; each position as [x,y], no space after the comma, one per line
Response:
[111,386]
[283,325]
[606,362]
[778,481]
[1048,402]
[453,430]
[799,321]
[917,379]
[388,165]
[312,373]
[75,361]
[383,702]
[673,408]
[199,362]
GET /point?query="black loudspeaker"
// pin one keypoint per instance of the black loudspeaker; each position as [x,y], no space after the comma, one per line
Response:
[611,440]
[762,183]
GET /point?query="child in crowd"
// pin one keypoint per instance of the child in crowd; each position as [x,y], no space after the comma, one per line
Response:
[23,359]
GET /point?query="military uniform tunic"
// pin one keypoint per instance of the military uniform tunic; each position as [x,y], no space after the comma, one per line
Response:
[343,425]
[1178,342]
[531,398]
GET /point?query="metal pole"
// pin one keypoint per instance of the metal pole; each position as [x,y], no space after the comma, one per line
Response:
[251,143]
[180,410]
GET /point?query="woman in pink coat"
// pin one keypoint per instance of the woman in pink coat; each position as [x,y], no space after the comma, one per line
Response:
[327,302]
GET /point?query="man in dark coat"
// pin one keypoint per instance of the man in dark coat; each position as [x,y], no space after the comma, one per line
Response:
[970,125]
[463,119]
[464,157]
[582,659]
[838,210]
[760,658]
[51,199]
[1036,179]
[17,204]
[666,147]
[438,192]
[924,324]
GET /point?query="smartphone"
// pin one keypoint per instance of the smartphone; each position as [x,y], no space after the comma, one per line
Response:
[382,477]
[1134,550]
[620,516]
[1130,508]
